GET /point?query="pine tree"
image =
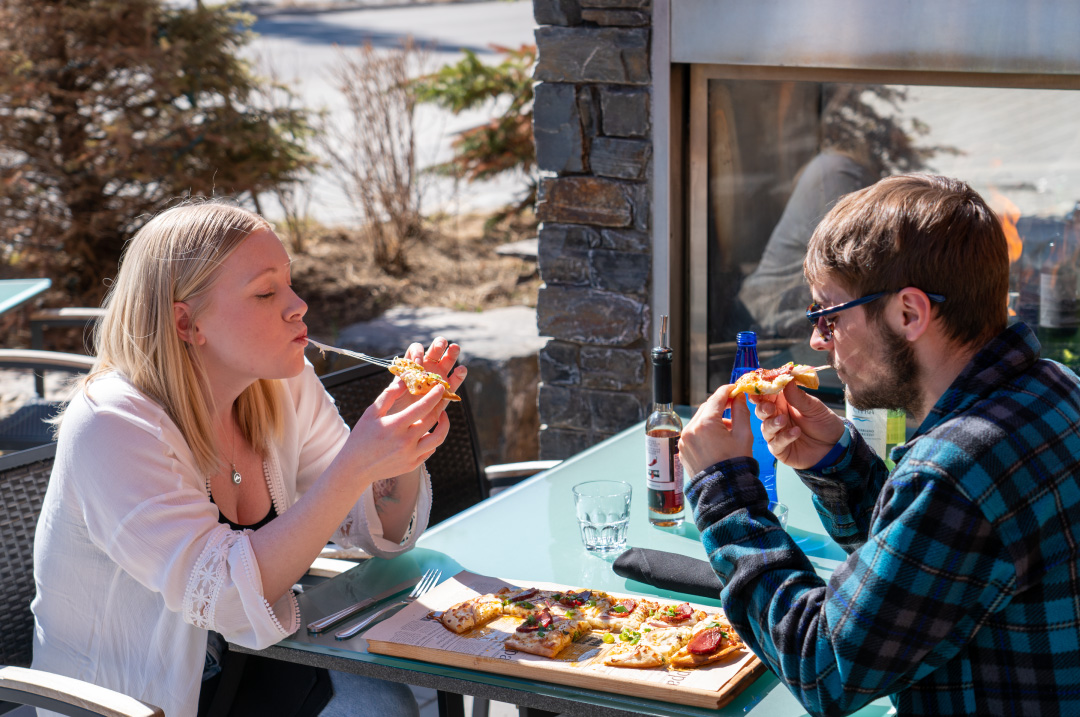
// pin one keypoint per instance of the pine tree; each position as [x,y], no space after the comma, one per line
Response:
[111,110]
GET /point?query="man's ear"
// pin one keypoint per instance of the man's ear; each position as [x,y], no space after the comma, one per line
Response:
[911,313]
[185,326]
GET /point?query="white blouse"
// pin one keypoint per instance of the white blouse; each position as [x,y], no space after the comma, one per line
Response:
[131,564]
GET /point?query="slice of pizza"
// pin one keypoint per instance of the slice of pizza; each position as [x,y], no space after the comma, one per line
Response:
[545,635]
[712,640]
[621,613]
[766,381]
[653,648]
[472,613]
[419,381]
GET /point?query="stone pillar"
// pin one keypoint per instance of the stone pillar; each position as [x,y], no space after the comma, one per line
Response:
[593,145]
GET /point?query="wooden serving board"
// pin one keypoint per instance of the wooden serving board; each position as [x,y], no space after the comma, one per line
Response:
[413,633]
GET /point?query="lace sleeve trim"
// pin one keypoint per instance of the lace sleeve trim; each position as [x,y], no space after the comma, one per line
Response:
[351,520]
[207,576]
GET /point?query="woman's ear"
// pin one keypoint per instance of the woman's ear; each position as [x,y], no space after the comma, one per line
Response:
[185,326]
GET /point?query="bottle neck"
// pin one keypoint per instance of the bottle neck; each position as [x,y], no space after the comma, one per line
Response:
[746,359]
[662,384]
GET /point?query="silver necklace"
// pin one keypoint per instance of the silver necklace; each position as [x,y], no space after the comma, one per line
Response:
[236,477]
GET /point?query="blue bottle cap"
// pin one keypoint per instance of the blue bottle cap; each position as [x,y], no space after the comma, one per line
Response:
[746,338]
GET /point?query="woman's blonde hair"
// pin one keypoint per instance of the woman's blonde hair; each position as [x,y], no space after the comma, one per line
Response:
[175,257]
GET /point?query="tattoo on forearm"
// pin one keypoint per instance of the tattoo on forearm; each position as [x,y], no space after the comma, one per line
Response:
[385,493]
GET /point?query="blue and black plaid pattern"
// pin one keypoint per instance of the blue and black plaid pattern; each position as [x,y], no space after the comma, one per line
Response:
[961,593]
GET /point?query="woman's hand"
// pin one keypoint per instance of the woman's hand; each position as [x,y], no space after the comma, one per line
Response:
[384,444]
[439,358]
[710,438]
[799,429]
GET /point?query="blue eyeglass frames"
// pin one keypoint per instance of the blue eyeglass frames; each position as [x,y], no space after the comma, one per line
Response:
[822,318]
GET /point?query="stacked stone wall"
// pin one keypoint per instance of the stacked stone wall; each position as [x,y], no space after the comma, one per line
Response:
[594,149]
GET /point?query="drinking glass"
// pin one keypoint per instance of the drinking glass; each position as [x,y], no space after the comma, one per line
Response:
[603,513]
[780,510]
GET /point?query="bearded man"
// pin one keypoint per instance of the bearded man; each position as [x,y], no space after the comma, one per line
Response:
[961,591]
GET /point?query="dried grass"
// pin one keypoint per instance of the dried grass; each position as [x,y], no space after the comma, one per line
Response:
[456,267]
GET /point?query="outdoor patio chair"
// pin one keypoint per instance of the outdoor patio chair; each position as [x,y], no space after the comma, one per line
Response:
[26,427]
[23,479]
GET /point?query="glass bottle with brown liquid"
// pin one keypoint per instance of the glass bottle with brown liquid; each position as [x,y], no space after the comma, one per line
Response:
[664,476]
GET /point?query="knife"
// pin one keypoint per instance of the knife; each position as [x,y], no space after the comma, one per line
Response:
[321,625]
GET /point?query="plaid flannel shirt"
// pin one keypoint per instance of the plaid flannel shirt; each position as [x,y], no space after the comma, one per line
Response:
[961,593]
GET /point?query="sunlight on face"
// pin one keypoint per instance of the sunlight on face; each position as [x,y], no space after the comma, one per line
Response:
[251,325]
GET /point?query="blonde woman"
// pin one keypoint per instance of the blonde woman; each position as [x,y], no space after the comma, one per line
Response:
[201,467]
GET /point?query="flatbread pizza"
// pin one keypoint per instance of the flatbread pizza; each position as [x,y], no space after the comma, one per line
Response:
[768,381]
[419,381]
[642,633]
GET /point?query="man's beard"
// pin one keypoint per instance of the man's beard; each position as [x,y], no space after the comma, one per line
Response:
[899,387]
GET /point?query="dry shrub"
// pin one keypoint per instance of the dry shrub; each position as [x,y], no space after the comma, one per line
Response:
[372,152]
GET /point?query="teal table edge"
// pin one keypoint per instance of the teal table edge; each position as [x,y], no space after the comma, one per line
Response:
[15,291]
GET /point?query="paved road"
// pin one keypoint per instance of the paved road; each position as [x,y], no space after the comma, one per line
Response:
[304,45]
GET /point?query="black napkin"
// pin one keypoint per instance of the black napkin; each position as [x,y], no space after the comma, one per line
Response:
[668,571]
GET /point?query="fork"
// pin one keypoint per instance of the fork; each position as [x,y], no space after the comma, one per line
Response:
[430,579]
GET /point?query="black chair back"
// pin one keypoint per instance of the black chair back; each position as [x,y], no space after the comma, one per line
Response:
[457,478]
[24,476]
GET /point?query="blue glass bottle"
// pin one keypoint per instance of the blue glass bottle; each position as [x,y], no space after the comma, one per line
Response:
[746,359]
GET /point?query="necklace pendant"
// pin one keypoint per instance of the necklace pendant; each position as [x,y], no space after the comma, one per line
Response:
[236,477]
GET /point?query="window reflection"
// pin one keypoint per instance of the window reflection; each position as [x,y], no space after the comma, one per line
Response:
[781,153]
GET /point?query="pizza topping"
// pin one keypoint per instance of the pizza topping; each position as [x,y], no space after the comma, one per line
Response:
[707,641]
[673,615]
[535,622]
[624,607]
[572,600]
[523,595]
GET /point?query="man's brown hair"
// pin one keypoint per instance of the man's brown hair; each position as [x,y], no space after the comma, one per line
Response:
[933,233]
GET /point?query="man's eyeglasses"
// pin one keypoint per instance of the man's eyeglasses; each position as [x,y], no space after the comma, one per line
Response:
[824,318]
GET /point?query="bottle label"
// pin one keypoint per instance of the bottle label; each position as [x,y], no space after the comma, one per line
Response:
[872,426]
[1057,300]
[663,468]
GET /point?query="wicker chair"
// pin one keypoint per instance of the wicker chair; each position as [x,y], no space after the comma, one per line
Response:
[23,479]
[457,480]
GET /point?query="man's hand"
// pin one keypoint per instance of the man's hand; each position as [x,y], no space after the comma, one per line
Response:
[799,429]
[710,438]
